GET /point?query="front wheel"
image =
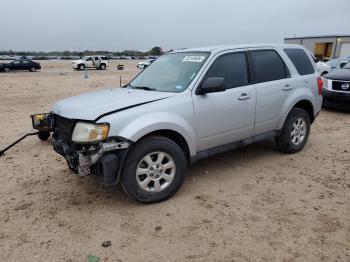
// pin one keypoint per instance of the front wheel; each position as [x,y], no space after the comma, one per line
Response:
[32,69]
[81,67]
[7,69]
[154,170]
[295,132]
[103,67]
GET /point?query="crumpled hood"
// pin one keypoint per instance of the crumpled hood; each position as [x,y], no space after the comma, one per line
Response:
[92,105]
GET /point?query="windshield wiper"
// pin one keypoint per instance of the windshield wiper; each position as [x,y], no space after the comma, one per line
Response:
[128,85]
[145,88]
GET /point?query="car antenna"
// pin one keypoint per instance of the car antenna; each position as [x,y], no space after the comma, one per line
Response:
[120,81]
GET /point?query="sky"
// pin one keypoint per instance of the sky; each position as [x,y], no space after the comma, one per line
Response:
[47,25]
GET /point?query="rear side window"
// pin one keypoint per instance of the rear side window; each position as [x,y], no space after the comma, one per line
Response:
[300,60]
[268,66]
[232,67]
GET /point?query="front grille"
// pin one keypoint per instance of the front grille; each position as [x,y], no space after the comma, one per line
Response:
[341,86]
[63,128]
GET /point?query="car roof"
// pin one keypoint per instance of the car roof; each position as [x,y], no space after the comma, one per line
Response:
[220,48]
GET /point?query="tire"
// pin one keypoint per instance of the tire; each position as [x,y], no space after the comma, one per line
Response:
[172,167]
[7,69]
[81,67]
[295,131]
[32,69]
[103,67]
[43,135]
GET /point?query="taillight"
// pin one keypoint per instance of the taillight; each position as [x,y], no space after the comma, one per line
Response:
[319,85]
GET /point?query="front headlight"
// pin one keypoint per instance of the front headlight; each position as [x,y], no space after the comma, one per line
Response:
[86,132]
[324,82]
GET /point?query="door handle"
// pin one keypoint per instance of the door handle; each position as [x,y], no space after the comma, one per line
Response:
[244,96]
[287,87]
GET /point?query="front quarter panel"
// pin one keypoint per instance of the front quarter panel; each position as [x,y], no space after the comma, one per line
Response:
[174,113]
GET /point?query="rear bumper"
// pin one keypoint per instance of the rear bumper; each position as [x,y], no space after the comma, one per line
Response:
[337,100]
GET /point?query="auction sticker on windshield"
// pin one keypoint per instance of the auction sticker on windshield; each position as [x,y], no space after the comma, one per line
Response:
[196,59]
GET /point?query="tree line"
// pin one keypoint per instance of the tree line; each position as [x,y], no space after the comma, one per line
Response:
[155,51]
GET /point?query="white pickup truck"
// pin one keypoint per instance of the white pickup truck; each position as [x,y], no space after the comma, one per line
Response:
[98,62]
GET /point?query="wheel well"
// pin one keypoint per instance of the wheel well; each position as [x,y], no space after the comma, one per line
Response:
[307,106]
[174,136]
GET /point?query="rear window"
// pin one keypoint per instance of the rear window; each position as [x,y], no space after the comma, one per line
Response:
[300,60]
[268,66]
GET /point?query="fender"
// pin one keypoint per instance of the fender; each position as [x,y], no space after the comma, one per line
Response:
[298,95]
[149,123]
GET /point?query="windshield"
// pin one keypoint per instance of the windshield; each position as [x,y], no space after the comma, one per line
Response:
[347,66]
[171,72]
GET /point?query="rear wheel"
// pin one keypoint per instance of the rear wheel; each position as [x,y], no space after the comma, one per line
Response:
[154,170]
[295,132]
[32,69]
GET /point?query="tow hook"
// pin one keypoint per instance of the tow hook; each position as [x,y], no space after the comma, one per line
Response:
[19,140]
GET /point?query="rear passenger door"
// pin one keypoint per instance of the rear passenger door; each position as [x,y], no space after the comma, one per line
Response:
[303,65]
[227,116]
[273,86]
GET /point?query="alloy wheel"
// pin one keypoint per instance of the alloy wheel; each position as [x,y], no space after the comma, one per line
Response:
[155,171]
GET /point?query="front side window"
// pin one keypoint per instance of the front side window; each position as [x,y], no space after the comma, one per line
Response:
[300,60]
[170,72]
[268,66]
[232,67]
[88,58]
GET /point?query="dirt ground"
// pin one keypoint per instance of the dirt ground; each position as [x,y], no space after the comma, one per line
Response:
[252,204]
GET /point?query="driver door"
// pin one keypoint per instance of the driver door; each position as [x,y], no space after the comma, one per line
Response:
[97,62]
[228,116]
[88,62]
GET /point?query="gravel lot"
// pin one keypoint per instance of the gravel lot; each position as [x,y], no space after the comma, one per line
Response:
[252,204]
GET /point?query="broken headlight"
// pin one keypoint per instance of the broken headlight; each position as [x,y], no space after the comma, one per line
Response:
[88,132]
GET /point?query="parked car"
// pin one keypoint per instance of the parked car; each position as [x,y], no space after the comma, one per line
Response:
[98,62]
[20,64]
[144,64]
[336,88]
[338,62]
[322,67]
[188,105]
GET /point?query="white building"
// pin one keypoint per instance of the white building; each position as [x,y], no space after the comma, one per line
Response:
[325,47]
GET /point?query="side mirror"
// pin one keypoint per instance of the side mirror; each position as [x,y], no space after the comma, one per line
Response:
[317,60]
[211,85]
[342,64]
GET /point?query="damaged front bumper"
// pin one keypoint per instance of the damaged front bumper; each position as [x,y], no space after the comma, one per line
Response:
[103,159]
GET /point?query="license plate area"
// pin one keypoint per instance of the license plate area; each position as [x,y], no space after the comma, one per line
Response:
[42,122]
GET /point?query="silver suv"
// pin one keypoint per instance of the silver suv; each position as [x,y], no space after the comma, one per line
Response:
[186,106]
